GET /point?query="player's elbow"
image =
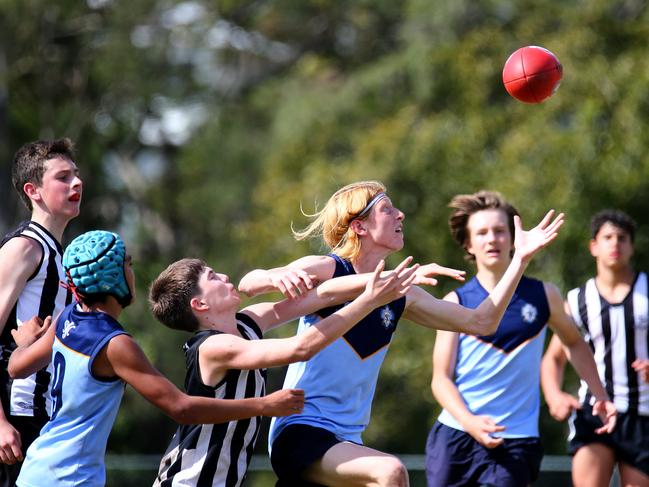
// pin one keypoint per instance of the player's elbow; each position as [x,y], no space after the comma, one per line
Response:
[16,372]
[304,349]
[482,324]
[180,411]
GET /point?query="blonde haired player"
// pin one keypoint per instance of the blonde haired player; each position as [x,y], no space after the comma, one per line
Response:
[361,226]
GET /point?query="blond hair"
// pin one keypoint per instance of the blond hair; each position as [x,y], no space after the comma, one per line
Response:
[333,222]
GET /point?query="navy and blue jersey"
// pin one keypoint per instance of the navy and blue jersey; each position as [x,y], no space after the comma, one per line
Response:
[340,380]
[498,375]
[72,446]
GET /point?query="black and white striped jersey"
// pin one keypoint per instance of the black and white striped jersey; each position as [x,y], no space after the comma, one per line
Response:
[214,454]
[617,335]
[44,296]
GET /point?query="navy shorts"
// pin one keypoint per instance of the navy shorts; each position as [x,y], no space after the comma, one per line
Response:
[296,448]
[629,440]
[454,458]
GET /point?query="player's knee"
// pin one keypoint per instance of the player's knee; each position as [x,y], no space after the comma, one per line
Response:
[390,472]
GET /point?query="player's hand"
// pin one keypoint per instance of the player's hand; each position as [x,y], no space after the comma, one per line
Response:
[425,273]
[562,405]
[284,402]
[642,368]
[292,283]
[481,428]
[392,285]
[30,331]
[607,412]
[528,242]
[10,444]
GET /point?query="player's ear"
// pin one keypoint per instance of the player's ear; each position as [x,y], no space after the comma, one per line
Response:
[31,190]
[358,227]
[197,304]
[592,246]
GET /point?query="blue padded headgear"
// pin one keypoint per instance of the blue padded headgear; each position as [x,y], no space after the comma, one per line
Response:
[94,262]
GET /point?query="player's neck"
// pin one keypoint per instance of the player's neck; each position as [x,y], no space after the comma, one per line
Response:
[110,306]
[53,224]
[367,262]
[614,283]
[225,321]
[489,276]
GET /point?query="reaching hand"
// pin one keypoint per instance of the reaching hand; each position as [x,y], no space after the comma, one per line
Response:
[607,412]
[30,331]
[284,402]
[395,284]
[642,368]
[10,445]
[527,243]
[424,274]
[562,405]
[292,283]
[481,428]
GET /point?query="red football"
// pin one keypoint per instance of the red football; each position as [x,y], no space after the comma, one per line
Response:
[532,74]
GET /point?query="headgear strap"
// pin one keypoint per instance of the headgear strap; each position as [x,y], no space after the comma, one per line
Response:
[369,206]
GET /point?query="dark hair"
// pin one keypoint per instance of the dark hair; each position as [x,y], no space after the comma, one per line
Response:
[616,218]
[29,163]
[172,291]
[465,205]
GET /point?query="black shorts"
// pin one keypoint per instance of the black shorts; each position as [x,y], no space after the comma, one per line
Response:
[29,428]
[295,449]
[629,440]
[455,458]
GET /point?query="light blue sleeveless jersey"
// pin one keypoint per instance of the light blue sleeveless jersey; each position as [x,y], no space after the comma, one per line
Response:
[498,375]
[339,381]
[71,448]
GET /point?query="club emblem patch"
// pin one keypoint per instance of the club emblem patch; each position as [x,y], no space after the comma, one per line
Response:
[387,317]
[68,326]
[529,313]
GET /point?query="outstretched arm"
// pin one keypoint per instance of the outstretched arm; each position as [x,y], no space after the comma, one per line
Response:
[445,391]
[582,360]
[292,280]
[127,360]
[424,309]
[226,351]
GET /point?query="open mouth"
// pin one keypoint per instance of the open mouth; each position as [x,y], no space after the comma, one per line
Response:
[75,197]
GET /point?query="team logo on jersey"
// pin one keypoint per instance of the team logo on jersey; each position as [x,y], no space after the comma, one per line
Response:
[387,317]
[68,326]
[529,313]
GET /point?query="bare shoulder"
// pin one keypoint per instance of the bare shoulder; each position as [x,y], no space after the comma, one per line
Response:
[552,292]
[21,252]
[220,345]
[322,266]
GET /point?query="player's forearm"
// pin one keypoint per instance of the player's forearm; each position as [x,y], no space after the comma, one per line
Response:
[552,370]
[333,327]
[256,282]
[487,316]
[582,360]
[448,396]
[25,361]
[203,410]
